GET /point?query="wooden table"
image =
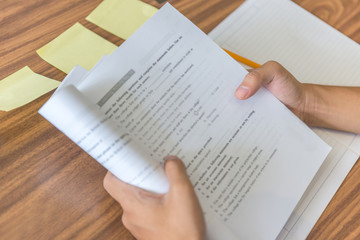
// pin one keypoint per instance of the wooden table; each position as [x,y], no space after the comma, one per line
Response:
[50,188]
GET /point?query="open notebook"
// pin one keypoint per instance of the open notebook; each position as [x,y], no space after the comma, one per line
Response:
[313,52]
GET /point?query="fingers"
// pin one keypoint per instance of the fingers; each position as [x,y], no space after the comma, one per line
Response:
[139,206]
[148,215]
[128,195]
[263,75]
[118,189]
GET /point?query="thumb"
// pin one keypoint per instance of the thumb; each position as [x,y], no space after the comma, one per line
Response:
[249,86]
[263,75]
[176,171]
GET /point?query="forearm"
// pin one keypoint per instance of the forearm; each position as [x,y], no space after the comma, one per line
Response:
[333,107]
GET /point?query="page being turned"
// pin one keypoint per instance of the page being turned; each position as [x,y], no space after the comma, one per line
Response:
[110,145]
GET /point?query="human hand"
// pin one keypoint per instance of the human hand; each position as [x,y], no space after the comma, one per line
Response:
[280,83]
[174,215]
[334,107]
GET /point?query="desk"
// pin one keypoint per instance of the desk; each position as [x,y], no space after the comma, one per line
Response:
[50,188]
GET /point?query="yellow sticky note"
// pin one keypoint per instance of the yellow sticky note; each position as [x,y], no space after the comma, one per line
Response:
[121,17]
[76,46]
[22,87]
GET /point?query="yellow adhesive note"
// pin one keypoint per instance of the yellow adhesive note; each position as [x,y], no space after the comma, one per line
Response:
[121,17]
[76,46]
[22,87]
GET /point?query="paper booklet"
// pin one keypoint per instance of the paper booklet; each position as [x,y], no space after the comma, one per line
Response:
[281,30]
[169,90]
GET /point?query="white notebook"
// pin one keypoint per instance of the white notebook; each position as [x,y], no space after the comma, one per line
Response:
[313,52]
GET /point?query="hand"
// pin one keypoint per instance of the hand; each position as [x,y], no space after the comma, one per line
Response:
[174,215]
[334,107]
[279,82]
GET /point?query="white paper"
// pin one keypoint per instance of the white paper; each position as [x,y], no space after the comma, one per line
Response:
[74,77]
[171,89]
[321,190]
[313,52]
[111,146]
[355,144]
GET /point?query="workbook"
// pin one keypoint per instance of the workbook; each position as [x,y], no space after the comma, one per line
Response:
[169,90]
[313,52]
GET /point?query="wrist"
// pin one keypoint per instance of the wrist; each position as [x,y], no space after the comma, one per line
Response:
[331,107]
[313,106]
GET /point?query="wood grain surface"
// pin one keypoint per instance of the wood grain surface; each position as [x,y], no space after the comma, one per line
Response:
[50,188]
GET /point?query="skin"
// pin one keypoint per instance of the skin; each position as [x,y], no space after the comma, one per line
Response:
[177,214]
[333,107]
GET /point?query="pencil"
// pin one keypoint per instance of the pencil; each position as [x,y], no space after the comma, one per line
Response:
[242,59]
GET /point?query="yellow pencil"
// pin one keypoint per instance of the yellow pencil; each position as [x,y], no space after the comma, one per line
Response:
[242,59]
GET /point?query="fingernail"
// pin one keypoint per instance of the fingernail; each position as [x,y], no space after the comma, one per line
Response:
[171,157]
[242,92]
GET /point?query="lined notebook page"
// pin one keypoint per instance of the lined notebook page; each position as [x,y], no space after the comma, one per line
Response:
[280,30]
[313,52]
[310,49]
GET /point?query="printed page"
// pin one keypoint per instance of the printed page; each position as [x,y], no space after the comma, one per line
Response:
[111,146]
[313,203]
[77,74]
[173,90]
[281,30]
[74,77]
